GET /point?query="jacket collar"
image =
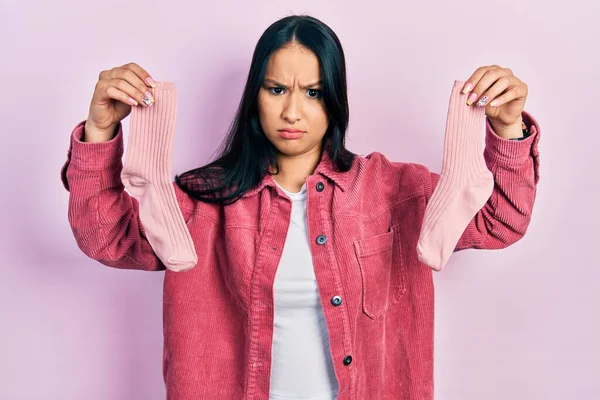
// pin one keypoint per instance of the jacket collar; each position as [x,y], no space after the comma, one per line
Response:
[325,168]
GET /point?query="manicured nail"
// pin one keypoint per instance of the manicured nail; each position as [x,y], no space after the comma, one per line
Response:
[494,103]
[148,99]
[468,88]
[482,101]
[472,98]
[133,102]
[150,82]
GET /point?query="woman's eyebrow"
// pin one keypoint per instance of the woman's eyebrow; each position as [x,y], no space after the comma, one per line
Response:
[274,82]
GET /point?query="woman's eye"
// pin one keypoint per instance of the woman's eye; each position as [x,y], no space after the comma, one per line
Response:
[314,93]
[276,90]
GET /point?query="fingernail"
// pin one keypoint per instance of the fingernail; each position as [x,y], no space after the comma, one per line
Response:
[133,102]
[148,99]
[150,82]
[472,98]
[468,88]
[482,101]
[494,103]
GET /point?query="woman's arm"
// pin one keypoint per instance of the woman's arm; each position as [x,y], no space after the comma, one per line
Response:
[103,216]
[515,166]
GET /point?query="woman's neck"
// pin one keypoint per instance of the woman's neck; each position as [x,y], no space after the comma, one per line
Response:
[293,170]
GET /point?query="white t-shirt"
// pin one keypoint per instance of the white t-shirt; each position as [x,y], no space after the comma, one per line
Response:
[301,367]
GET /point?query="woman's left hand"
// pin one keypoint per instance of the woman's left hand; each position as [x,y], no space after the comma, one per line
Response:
[503,96]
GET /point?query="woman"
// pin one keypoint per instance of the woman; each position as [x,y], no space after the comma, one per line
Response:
[308,284]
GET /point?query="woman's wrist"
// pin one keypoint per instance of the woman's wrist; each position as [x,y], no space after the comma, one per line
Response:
[516,131]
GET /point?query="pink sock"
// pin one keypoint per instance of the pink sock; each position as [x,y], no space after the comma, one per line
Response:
[465,183]
[147,176]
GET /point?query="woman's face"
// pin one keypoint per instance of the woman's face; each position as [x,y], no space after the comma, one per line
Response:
[290,106]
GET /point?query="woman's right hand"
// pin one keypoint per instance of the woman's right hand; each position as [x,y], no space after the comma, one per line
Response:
[117,90]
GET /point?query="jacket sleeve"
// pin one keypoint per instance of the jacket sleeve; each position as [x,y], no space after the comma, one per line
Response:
[103,216]
[505,217]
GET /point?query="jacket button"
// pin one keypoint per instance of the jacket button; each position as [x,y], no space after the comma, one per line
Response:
[321,239]
[336,300]
[347,360]
[320,186]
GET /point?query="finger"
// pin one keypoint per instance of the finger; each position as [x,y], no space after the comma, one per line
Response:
[127,75]
[497,88]
[116,94]
[513,93]
[131,91]
[473,79]
[141,73]
[103,75]
[486,81]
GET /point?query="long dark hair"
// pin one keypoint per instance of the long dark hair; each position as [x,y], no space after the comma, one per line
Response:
[246,154]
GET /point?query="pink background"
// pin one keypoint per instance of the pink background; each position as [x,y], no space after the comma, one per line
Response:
[522,323]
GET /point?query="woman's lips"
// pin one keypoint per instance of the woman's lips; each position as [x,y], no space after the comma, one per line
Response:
[291,133]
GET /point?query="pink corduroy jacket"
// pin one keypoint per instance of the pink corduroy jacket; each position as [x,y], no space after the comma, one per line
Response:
[218,316]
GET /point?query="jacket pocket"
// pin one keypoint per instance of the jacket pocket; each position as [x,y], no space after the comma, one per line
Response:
[383,278]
